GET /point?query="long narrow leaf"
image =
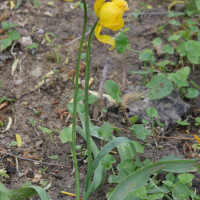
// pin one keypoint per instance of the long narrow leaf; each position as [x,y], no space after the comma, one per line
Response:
[100,172]
[105,150]
[139,178]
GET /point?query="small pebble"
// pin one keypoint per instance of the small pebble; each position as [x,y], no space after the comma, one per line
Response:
[20,175]
[41,31]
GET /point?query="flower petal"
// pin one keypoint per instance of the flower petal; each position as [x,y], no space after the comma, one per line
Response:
[97,6]
[110,14]
[104,38]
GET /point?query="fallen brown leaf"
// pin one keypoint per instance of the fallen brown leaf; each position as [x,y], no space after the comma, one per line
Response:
[4,16]
[3,105]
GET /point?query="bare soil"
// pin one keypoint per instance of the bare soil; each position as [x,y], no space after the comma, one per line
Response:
[66,24]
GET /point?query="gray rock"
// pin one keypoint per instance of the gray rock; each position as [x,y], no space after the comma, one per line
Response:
[25,41]
[36,72]
[26,139]
[39,144]
[41,31]
[64,77]
[18,82]
[20,175]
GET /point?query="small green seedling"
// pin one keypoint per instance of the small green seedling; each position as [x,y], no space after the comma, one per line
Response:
[33,123]
[46,130]
[12,144]
[42,170]
[1,124]
[55,157]
[197,120]
[152,112]
[105,131]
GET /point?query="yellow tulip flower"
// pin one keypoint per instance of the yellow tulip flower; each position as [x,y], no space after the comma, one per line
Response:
[110,16]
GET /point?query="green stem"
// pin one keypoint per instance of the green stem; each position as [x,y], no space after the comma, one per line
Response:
[75,104]
[135,51]
[143,76]
[87,76]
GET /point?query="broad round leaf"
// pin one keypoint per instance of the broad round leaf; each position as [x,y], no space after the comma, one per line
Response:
[107,160]
[92,98]
[184,123]
[121,42]
[185,178]
[14,35]
[192,93]
[157,41]
[66,135]
[173,38]
[146,55]
[70,107]
[112,89]
[175,22]
[192,48]
[160,87]
[140,131]
[105,130]
[6,43]
[168,48]
[152,112]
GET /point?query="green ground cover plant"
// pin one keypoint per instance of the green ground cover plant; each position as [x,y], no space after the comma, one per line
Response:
[135,179]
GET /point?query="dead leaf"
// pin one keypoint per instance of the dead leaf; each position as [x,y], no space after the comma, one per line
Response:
[12,5]
[14,66]
[48,14]
[27,154]
[3,104]
[4,16]
[36,178]
[9,124]
[9,160]
[19,140]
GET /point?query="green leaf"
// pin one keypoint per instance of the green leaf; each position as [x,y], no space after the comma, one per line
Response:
[160,124]
[195,84]
[13,143]
[140,177]
[146,55]
[162,63]
[180,191]
[32,121]
[6,43]
[160,86]
[83,55]
[174,14]
[140,192]
[144,121]
[168,183]
[70,107]
[179,78]
[6,26]
[126,30]
[152,112]
[135,15]
[170,177]
[197,119]
[184,123]
[142,72]
[80,95]
[45,130]
[168,48]
[36,3]
[155,196]
[92,98]
[192,48]
[197,2]
[66,135]
[112,89]
[181,49]
[107,161]
[14,35]
[133,119]
[140,131]
[185,178]
[105,130]
[139,148]
[161,28]
[157,41]
[121,42]
[55,157]
[192,93]
[5,175]
[173,38]
[175,22]
[32,46]
[105,150]
[170,158]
